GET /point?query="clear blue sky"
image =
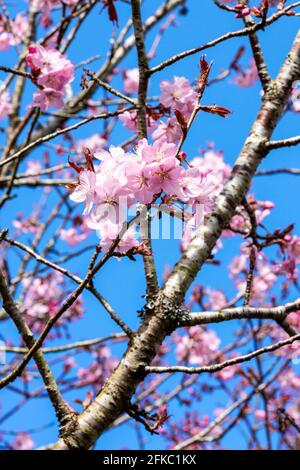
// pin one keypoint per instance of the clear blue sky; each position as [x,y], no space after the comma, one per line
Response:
[122,282]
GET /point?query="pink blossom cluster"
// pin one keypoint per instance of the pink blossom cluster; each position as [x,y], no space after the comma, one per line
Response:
[28,225]
[244,10]
[240,222]
[264,278]
[123,179]
[266,273]
[95,143]
[13,32]
[45,7]
[98,370]
[51,72]
[75,234]
[177,95]
[43,298]
[197,346]
[246,78]
[5,103]
[284,395]
[22,441]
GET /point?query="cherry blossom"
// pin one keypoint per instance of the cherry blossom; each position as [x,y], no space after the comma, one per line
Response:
[246,78]
[98,370]
[75,234]
[168,131]
[178,95]
[95,143]
[295,98]
[89,177]
[26,225]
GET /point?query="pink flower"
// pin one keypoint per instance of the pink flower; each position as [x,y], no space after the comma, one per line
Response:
[33,167]
[109,232]
[5,104]
[244,11]
[198,346]
[168,131]
[178,95]
[295,98]
[29,225]
[45,6]
[293,248]
[131,81]
[248,77]
[44,295]
[5,39]
[85,191]
[191,183]
[163,167]
[216,299]
[156,152]
[23,441]
[260,414]
[19,28]
[52,72]
[14,32]
[95,143]
[227,373]
[128,118]
[98,371]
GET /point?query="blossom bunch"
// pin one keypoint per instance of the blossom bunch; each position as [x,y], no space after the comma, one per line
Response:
[99,369]
[150,172]
[13,32]
[43,298]
[5,103]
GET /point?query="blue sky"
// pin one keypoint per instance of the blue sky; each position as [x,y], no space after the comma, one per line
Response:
[121,282]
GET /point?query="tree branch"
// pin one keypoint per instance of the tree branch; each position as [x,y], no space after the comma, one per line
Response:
[222,365]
